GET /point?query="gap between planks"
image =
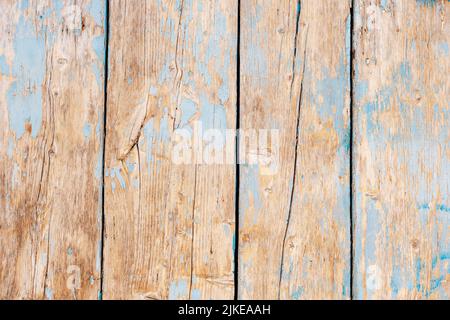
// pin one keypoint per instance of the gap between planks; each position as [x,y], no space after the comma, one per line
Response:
[237,183]
[105,105]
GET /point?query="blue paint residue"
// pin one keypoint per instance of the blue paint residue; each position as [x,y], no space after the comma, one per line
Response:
[98,44]
[149,138]
[164,74]
[97,10]
[213,116]
[188,109]
[439,207]
[4,67]
[98,74]
[442,207]
[24,4]
[116,172]
[296,295]
[252,189]
[443,48]
[10,149]
[428,3]
[153,91]
[405,74]
[25,93]
[435,282]
[49,293]
[87,130]
[178,289]
[196,294]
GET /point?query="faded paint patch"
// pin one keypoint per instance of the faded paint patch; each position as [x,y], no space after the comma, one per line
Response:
[24,96]
[178,289]
[428,3]
[87,130]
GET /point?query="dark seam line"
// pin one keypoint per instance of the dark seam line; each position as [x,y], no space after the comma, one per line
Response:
[352,69]
[106,63]
[237,186]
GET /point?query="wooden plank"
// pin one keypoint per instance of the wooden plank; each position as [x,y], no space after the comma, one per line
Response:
[402,150]
[294,232]
[51,114]
[169,227]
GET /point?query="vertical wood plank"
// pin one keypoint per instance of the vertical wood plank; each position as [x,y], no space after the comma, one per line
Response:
[295,220]
[51,114]
[402,154]
[169,227]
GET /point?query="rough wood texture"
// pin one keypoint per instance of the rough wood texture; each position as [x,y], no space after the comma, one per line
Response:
[295,224]
[402,154]
[166,226]
[169,228]
[51,113]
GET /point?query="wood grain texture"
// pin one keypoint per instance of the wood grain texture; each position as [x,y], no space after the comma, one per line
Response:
[169,227]
[165,228]
[402,154]
[294,235]
[51,113]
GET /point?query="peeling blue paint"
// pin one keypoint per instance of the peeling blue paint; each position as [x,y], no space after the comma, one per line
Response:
[233,244]
[196,294]
[212,116]
[188,110]
[297,294]
[438,207]
[87,130]
[164,133]
[98,74]
[10,150]
[178,289]
[164,74]
[443,48]
[49,293]
[98,257]
[256,59]
[130,166]
[116,173]
[24,96]
[4,67]
[98,45]
[97,9]
[99,166]
[203,69]
[405,74]
[442,207]
[428,3]
[250,187]
[149,137]
[153,91]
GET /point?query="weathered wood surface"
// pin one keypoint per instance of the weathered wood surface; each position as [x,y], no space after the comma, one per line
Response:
[294,232]
[51,114]
[165,230]
[169,228]
[402,150]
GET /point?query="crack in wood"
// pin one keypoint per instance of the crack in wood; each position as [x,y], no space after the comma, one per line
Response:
[299,103]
